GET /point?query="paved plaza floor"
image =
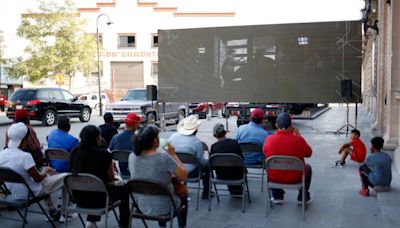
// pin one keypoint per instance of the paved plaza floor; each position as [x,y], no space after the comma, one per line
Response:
[336,202]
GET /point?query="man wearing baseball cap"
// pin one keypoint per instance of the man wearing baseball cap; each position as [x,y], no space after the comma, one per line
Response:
[33,144]
[253,133]
[287,141]
[40,182]
[123,140]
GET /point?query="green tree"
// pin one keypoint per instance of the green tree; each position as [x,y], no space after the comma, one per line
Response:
[57,43]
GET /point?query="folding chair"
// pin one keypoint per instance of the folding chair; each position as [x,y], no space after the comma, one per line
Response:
[254,148]
[54,155]
[152,188]
[84,182]
[10,176]
[224,161]
[191,163]
[122,156]
[286,163]
[205,147]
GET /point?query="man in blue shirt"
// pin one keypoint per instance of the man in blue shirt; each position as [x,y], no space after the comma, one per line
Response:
[122,141]
[377,170]
[185,140]
[253,133]
[60,138]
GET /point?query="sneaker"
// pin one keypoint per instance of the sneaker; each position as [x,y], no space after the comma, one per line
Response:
[205,195]
[54,214]
[90,225]
[70,217]
[337,164]
[277,201]
[364,192]
[309,200]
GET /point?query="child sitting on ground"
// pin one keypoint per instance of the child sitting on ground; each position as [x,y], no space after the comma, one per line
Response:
[355,148]
[377,170]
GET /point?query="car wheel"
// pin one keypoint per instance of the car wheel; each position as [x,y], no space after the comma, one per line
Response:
[85,115]
[49,118]
[151,118]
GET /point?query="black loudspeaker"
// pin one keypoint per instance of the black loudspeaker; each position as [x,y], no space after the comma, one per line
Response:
[151,92]
[346,88]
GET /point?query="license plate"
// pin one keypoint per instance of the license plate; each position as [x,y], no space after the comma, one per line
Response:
[235,113]
[18,107]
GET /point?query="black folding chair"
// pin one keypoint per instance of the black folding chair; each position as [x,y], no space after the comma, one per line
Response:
[10,176]
[152,188]
[254,148]
[218,161]
[192,163]
[122,156]
[85,182]
[56,154]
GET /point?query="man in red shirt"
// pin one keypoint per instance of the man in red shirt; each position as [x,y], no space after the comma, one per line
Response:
[287,141]
[355,148]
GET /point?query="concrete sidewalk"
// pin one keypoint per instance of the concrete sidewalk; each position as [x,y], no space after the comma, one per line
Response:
[336,202]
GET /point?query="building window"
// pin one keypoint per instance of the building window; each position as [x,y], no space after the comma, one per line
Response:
[154,72]
[154,40]
[126,41]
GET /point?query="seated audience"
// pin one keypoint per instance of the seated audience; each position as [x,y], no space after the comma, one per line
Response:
[40,182]
[287,141]
[33,145]
[185,140]
[355,148]
[108,130]
[122,141]
[253,132]
[60,139]
[377,170]
[148,163]
[225,145]
[88,157]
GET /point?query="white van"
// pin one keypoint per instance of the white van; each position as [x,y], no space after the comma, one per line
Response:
[93,100]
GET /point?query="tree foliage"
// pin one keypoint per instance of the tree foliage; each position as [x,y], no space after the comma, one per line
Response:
[57,43]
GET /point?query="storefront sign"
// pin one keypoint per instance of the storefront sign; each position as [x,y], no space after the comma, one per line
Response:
[129,54]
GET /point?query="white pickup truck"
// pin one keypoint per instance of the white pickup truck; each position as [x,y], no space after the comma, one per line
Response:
[154,112]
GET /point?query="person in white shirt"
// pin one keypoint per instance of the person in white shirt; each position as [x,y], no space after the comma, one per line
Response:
[41,182]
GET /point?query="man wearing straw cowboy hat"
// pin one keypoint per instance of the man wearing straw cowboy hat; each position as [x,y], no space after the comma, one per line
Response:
[185,140]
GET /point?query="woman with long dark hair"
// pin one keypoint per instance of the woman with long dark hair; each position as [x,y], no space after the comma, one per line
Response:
[90,158]
[148,163]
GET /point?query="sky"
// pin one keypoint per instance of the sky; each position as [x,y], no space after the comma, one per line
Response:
[255,11]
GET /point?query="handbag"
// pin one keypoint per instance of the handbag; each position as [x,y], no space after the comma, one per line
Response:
[180,188]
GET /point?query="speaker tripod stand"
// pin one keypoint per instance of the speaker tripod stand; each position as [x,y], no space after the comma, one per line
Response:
[347,125]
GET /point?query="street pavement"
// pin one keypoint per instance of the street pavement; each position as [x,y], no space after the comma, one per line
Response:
[336,202]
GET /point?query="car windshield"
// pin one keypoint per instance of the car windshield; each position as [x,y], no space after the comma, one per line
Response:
[23,95]
[136,95]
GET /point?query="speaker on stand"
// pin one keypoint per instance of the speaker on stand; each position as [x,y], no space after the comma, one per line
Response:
[346,92]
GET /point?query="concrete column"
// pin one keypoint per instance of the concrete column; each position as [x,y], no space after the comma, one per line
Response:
[395,75]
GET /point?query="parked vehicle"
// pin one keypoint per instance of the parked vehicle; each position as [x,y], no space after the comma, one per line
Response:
[93,100]
[3,102]
[204,108]
[46,104]
[243,110]
[153,112]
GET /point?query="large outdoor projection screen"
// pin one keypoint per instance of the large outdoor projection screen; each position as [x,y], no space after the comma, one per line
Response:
[296,63]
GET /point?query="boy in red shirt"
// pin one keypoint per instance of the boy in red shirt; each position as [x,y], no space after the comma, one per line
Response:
[287,141]
[355,148]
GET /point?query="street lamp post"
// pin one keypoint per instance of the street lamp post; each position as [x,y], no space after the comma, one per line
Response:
[98,60]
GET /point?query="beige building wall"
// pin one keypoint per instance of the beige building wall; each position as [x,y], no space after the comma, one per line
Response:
[381,73]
